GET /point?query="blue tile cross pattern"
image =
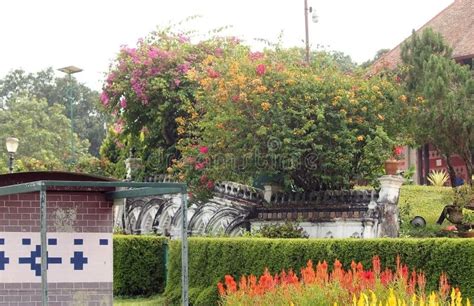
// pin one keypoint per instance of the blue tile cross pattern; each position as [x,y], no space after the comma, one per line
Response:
[78,260]
[3,260]
[32,260]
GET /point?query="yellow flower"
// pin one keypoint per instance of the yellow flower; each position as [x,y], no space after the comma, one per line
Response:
[180,120]
[403,98]
[375,88]
[265,106]
[180,130]
[169,170]
[360,138]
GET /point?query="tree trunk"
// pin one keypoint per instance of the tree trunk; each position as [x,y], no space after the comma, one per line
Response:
[451,171]
[467,158]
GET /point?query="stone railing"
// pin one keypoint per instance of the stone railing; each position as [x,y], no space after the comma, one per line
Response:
[328,197]
[240,191]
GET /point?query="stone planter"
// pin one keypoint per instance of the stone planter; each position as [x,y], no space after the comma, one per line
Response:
[455,215]
[391,167]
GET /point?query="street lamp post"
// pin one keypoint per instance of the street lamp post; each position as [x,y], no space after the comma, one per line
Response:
[12,146]
[307,11]
[69,70]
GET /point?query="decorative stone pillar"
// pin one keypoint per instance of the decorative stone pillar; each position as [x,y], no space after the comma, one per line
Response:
[388,205]
[132,165]
[269,190]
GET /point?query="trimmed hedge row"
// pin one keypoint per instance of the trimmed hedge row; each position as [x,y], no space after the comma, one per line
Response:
[211,258]
[139,265]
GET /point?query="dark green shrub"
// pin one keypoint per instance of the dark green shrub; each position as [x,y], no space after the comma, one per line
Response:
[139,265]
[285,230]
[212,258]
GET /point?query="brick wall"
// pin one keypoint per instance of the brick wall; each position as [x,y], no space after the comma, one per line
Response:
[92,213]
[79,247]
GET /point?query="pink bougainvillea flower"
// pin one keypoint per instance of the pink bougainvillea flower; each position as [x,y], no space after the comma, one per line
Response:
[203,179]
[218,52]
[153,52]
[111,78]
[212,73]
[123,102]
[203,150]
[104,98]
[255,55]
[200,166]
[118,126]
[260,69]
[183,68]
[210,185]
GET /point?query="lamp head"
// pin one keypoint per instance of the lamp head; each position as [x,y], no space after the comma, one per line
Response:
[12,144]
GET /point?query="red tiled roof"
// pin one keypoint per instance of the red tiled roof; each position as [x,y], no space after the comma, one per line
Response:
[455,23]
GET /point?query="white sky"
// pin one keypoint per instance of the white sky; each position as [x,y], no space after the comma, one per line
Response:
[35,34]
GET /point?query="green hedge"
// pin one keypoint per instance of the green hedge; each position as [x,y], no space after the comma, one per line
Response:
[212,258]
[139,265]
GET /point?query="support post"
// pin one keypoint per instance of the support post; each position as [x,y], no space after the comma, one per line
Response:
[184,250]
[44,251]
[306,11]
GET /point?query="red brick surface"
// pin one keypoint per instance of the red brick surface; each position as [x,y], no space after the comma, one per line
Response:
[20,212]
[60,294]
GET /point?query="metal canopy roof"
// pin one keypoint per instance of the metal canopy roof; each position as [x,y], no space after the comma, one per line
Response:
[139,189]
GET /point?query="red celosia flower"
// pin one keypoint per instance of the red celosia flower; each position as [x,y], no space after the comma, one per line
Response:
[203,150]
[221,289]
[444,285]
[230,284]
[376,265]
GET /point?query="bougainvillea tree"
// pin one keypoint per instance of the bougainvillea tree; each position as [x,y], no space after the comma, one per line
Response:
[269,114]
[146,89]
[227,113]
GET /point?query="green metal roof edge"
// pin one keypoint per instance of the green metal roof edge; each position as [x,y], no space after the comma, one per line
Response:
[158,188]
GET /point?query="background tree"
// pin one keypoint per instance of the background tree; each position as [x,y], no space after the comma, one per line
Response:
[44,134]
[377,55]
[443,92]
[89,120]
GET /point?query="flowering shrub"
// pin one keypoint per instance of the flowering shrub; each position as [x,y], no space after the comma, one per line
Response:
[148,93]
[269,113]
[258,112]
[356,286]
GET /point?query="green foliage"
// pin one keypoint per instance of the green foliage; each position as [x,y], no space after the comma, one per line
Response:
[438,178]
[211,259]
[285,230]
[44,134]
[442,94]
[463,195]
[88,118]
[139,265]
[425,201]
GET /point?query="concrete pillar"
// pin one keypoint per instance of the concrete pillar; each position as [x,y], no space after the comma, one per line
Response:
[388,205]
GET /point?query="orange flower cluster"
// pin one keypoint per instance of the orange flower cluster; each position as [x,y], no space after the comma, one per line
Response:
[353,281]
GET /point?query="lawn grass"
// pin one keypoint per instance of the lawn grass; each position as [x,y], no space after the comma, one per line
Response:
[155,300]
[427,202]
